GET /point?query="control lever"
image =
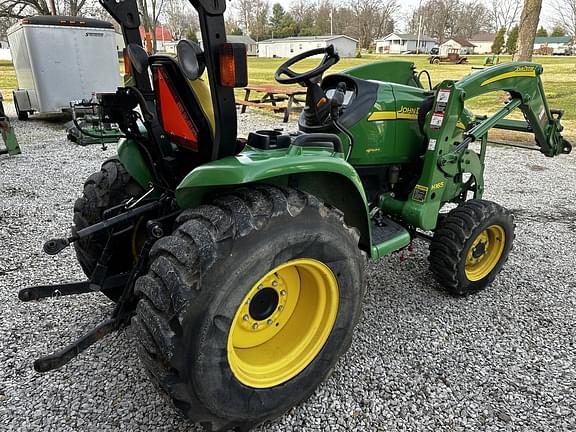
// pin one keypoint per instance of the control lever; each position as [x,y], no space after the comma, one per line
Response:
[335,106]
[337,100]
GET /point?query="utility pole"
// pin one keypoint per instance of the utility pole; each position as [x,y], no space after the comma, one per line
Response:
[419,33]
[331,19]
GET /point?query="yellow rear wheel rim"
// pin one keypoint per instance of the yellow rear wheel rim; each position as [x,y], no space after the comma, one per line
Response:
[282,323]
[485,253]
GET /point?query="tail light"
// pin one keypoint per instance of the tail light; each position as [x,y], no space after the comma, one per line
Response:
[174,117]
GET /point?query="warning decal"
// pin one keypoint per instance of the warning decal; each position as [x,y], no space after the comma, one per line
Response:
[443,96]
[420,193]
[436,120]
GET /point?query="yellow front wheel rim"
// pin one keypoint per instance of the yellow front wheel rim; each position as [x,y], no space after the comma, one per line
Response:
[485,253]
[282,323]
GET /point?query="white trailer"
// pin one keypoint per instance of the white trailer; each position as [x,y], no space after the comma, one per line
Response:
[60,59]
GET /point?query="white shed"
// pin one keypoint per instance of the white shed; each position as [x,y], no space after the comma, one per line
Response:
[291,46]
[483,42]
[396,43]
[462,45]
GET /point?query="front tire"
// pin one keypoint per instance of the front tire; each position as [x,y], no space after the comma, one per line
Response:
[247,306]
[471,246]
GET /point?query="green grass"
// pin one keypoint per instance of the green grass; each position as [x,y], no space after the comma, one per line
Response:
[7,79]
[559,78]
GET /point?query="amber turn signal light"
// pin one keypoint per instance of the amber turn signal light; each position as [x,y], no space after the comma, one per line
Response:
[233,65]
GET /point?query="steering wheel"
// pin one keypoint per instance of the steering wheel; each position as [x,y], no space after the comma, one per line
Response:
[285,75]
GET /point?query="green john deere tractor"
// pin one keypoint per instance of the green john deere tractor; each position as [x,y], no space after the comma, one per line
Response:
[239,264]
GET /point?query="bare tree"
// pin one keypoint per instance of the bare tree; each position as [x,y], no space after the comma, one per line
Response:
[443,19]
[72,7]
[23,8]
[471,18]
[565,15]
[528,26]
[252,16]
[372,18]
[150,11]
[505,13]
[17,9]
[181,19]
[304,13]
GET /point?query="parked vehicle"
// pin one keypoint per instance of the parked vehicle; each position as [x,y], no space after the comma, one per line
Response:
[453,56]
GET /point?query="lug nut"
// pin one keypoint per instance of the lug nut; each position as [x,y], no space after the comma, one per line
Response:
[246,317]
[283,292]
[260,287]
[269,322]
[255,326]
[274,283]
[281,308]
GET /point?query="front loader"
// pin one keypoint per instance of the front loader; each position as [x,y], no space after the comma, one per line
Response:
[239,263]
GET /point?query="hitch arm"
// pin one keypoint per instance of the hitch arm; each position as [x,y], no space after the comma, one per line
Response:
[55,246]
[43,291]
[60,358]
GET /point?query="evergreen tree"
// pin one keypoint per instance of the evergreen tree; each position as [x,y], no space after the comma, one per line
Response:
[281,23]
[499,41]
[558,30]
[512,42]
[542,32]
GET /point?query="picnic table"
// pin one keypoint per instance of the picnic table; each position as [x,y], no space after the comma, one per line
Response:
[273,95]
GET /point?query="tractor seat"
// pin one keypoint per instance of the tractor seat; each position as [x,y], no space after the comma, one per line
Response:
[183,73]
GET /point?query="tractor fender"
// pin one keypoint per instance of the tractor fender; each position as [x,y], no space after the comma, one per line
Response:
[131,157]
[320,173]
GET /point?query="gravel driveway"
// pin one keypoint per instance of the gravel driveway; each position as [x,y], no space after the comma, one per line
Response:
[503,359]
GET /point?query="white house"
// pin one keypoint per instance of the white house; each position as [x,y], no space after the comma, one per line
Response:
[558,45]
[395,43]
[483,42]
[288,47]
[251,44]
[462,45]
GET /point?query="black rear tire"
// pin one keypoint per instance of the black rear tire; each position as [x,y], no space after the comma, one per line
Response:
[107,188]
[471,246]
[196,285]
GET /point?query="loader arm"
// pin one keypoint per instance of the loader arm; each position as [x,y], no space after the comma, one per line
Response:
[523,82]
[451,169]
